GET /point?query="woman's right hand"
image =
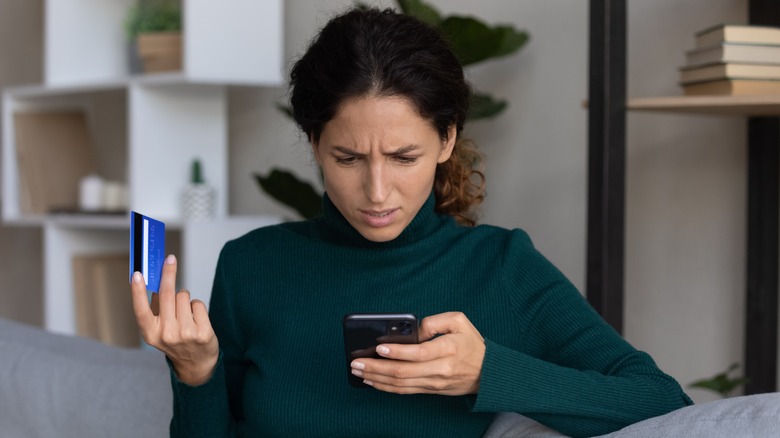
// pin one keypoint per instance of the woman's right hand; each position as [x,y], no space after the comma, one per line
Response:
[178,327]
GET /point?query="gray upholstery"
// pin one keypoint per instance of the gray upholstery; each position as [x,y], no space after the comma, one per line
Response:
[61,386]
[755,416]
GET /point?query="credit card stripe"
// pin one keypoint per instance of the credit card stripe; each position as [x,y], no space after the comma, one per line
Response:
[138,242]
[146,251]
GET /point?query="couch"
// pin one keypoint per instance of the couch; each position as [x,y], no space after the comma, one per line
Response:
[61,386]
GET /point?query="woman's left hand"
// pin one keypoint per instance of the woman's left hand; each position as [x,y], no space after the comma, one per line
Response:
[450,364]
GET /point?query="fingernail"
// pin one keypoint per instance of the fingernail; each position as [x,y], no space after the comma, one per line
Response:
[368,382]
[357,372]
[382,349]
[171,259]
[358,365]
[137,277]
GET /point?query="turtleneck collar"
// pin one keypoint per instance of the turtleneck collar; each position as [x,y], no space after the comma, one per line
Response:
[337,229]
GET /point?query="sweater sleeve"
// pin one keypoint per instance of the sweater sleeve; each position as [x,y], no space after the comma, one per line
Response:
[574,373]
[214,408]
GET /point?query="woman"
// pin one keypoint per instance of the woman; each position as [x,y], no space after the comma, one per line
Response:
[383,100]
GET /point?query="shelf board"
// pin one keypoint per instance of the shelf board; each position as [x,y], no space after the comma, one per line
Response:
[82,220]
[119,83]
[755,105]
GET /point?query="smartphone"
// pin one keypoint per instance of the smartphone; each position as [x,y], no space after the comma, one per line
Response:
[364,331]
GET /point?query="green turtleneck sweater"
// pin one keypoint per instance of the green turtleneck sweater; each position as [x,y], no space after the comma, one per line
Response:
[280,294]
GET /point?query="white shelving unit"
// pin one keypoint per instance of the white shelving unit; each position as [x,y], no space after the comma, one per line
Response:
[145,129]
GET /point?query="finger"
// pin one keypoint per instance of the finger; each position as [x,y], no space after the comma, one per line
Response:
[430,376]
[167,291]
[389,370]
[200,314]
[184,308]
[424,352]
[143,313]
[405,389]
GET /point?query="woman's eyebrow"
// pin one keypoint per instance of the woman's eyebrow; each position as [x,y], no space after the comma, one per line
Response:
[404,150]
[347,151]
[400,151]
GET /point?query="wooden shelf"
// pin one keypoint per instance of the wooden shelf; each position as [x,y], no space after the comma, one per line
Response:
[756,105]
[145,129]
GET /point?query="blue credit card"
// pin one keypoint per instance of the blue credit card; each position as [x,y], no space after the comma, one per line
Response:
[147,249]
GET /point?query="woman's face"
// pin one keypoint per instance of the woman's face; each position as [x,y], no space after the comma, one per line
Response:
[378,160]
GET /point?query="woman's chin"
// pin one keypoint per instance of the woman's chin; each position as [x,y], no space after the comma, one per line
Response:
[379,235]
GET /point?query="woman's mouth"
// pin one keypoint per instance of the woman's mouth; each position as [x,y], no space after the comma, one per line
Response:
[378,218]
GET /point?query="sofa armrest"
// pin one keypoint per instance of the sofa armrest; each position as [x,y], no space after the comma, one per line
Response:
[754,416]
[56,385]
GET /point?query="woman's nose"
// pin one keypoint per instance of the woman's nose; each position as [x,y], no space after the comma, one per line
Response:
[376,186]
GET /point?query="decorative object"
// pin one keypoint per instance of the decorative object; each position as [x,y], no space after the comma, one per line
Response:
[160,51]
[114,196]
[91,193]
[154,28]
[198,198]
[472,40]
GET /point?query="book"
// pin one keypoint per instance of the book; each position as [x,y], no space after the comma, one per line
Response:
[733,52]
[734,33]
[86,323]
[53,152]
[104,306]
[689,75]
[733,87]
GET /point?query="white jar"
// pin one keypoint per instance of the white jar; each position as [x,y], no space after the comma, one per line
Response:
[91,193]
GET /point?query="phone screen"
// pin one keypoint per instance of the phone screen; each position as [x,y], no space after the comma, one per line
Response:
[364,331]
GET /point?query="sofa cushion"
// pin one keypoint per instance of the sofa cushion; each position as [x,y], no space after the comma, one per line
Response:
[64,386]
[755,416]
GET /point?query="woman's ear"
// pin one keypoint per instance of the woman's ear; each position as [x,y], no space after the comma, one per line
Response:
[315,150]
[449,144]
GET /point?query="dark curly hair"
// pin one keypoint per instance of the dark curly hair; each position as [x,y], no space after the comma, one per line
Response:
[384,53]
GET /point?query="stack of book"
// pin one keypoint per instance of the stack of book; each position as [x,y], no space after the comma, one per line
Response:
[733,60]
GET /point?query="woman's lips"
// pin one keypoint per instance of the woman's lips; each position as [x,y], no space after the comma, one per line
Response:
[378,218]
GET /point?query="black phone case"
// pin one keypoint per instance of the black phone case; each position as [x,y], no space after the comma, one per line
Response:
[364,331]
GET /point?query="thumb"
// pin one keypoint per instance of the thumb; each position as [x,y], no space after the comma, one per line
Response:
[442,324]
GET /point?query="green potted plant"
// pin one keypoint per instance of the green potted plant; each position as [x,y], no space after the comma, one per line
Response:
[472,40]
[723,383]
[198,198]
[153,28]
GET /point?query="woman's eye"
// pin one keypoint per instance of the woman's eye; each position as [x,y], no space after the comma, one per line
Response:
[405,160]
[346,160]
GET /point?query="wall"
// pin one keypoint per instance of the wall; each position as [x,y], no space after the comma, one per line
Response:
[685,188]
[21,55]
[685,273]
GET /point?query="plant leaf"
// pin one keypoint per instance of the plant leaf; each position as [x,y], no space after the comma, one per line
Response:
[470,39]
[483,106]
[721,382]
[286,188]
[511,40]
[284,109]
[420,10]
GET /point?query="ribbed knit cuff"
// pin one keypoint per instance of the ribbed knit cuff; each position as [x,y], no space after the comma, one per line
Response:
[199,410]
[500,369]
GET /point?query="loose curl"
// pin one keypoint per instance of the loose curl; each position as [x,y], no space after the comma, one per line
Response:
[460,184]
[372,52]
